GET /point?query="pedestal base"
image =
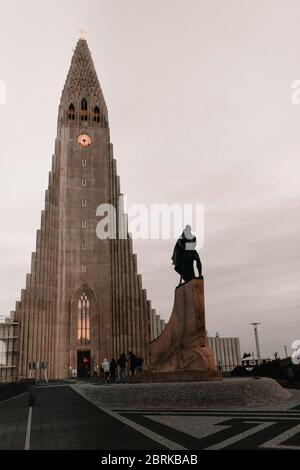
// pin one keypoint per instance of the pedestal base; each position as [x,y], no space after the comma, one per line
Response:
[181,350]
[228,393]
[175,376]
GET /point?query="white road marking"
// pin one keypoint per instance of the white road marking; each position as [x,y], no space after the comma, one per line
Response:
[137,427]
[239,437]
[141,429]
[198,427]
[276,441]
[28,429]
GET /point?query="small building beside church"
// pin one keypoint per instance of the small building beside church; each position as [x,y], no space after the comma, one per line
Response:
[227,352]
[9,331]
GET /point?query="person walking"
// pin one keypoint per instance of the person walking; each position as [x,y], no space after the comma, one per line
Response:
[122,365]
[106,368]
[133,362]
[113,368]
[139,367]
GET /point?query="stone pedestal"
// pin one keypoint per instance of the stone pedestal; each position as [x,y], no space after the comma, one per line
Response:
[237,393]
[181,353]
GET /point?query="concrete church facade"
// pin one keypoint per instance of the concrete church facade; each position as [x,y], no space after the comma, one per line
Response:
[84,299]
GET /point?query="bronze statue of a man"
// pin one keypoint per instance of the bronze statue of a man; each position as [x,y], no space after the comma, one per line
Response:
[185,254]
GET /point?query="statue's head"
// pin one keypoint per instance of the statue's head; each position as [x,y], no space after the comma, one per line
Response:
[188,232]
[191,239]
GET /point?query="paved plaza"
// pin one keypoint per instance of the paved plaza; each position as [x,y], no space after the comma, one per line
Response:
[62,418]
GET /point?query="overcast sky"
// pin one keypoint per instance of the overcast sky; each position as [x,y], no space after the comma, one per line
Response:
[199,101]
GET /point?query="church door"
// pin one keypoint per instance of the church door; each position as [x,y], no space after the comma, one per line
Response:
[83,363]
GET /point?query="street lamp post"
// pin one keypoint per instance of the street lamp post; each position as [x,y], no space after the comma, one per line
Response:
[256,342]
[285,349]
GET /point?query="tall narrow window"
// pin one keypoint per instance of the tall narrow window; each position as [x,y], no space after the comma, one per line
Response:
[83,182]
[71,112]
[83,202]
[96,114]
[83,320]
[83,245]
[83,223]
[83,162]
[84,110]
[84,105]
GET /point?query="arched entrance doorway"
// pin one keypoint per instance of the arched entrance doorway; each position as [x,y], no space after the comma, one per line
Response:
[84,363]
[84,338]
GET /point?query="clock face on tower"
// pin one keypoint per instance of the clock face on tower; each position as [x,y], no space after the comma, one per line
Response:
[84,140]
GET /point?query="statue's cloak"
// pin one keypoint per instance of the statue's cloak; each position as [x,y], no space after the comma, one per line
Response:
[184,254]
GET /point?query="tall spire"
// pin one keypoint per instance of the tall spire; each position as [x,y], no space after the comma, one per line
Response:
[75,297]
[82,81]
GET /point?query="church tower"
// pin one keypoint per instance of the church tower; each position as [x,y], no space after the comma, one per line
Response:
[83,300]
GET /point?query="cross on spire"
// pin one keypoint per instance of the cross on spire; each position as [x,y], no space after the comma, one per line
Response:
[82,33]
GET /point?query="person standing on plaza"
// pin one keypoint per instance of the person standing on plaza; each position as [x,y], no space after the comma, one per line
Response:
[113,368]
[106,369]
[122,365]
